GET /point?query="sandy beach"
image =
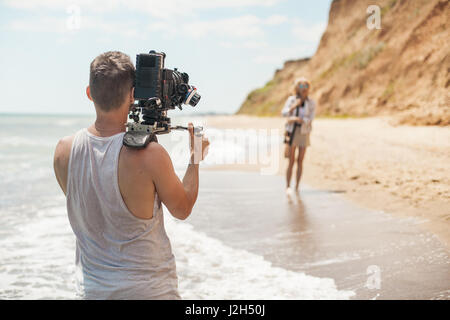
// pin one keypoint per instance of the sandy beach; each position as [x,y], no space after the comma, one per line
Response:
[401,170]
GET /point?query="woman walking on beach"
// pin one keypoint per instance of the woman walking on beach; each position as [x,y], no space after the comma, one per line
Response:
[299,109]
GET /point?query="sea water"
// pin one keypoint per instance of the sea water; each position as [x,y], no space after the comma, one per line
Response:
[37,245]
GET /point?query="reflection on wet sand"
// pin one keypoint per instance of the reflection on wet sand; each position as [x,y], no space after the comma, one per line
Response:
[320,234]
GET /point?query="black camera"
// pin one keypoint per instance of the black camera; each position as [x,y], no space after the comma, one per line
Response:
[156,91]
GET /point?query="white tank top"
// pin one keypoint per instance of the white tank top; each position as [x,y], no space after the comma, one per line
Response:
[118,256]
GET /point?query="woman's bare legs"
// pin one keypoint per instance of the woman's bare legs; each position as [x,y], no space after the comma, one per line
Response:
[301,156]
[290,166]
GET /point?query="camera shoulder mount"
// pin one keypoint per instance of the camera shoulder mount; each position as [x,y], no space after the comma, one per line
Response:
[138,135]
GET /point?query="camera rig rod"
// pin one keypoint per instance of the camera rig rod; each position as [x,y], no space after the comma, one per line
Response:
[197,129]
[139,135]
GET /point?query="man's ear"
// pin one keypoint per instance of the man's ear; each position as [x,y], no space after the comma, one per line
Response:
[132,96]
[88,93]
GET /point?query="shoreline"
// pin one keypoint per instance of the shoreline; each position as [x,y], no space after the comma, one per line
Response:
[401,170]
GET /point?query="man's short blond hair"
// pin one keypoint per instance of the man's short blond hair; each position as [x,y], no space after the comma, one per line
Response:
[111,79]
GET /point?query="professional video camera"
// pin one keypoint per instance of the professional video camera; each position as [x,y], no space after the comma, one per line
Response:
[156,90]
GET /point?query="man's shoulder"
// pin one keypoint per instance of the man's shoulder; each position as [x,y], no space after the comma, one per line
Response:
[153,156]
[63,147]
[61,160]
[153,149]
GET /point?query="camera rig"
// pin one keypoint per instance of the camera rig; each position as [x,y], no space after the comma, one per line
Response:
[156,91]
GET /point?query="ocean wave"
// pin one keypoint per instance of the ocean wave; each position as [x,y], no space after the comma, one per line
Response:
[38,263]
[208,269]
[20,141]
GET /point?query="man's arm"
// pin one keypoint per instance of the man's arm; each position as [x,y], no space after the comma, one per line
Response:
[190,183]
[61,161]
[179,197]
[168,186]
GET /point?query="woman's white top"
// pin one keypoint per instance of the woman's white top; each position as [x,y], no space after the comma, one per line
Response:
[306,113]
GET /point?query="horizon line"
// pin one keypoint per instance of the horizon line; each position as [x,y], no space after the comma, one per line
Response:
[6,113]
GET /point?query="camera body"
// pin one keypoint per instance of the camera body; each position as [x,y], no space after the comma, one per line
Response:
[154,81]
[156,91]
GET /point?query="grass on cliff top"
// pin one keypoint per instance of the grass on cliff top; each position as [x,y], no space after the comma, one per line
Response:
[266,109]
[269,85]
[251,105]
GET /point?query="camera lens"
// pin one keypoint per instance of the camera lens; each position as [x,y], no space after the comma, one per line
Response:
[195,99]
[182,89]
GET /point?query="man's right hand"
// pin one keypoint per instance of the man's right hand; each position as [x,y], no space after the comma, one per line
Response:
[198,145]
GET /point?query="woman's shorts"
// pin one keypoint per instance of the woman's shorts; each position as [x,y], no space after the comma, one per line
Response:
[300,140]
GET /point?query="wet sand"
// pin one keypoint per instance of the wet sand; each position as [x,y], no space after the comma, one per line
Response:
[322,234]
[401,170]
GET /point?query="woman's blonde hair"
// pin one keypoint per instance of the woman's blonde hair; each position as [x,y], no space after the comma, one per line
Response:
[295,89]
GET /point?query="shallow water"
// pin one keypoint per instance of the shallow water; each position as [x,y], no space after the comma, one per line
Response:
[37,246]
[371,253]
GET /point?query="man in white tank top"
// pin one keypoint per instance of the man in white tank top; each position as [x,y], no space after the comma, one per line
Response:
[114,195]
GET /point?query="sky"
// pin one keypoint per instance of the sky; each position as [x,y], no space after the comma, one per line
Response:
[228,47]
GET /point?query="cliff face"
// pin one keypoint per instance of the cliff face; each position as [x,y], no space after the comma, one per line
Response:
[403,69]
